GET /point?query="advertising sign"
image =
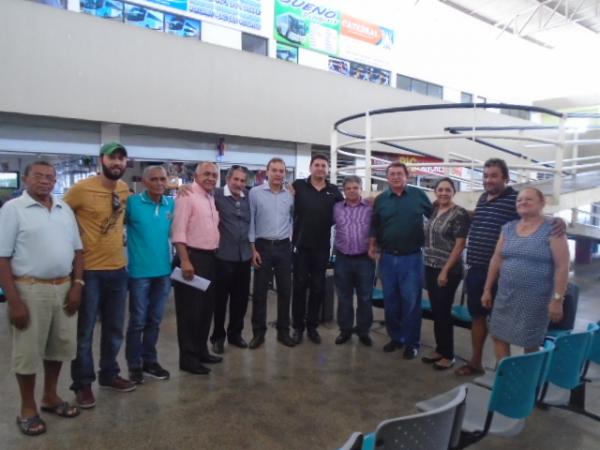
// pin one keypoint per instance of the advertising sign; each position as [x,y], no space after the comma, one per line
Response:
[411,159]
[360,71]
[317,27]
[240,13]
[287,53]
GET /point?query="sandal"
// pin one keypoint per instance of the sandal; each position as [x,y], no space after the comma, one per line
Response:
[63,409]
[444,366]
[28,425]
[468,370]
[431,358]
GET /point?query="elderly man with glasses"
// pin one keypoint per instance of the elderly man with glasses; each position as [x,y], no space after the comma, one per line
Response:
[99,204]
[234,257]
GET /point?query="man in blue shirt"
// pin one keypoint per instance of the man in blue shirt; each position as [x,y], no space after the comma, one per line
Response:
[149,218]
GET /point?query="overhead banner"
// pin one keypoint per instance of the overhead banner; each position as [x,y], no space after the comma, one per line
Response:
[242,13]
[411,159]
[320,28]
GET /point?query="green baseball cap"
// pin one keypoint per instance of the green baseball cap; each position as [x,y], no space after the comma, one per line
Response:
[111,147]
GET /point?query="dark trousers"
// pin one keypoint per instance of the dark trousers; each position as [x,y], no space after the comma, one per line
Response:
[354,274]
[442,299]
[310,265]
[194,309]
[233,286]
[276,258]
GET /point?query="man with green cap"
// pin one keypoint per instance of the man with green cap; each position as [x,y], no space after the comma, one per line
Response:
[99,204]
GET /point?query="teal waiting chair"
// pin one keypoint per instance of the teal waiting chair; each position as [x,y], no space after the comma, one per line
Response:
[565,384]
[438,429]
[503,410]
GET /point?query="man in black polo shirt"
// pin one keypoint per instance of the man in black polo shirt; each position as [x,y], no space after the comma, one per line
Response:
[496,206]
[397,230]
[313,218]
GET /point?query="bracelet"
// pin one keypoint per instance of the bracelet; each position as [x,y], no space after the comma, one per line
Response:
[79,281]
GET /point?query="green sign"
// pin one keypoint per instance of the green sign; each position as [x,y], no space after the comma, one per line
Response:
[308,25]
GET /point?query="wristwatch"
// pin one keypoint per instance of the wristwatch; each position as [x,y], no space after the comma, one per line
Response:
[79,281]
[557,296]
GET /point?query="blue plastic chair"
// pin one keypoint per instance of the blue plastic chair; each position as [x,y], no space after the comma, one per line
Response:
[503,410]
[438,429]
[565,384]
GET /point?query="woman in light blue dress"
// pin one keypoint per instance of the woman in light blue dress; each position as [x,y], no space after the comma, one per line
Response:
[532,269]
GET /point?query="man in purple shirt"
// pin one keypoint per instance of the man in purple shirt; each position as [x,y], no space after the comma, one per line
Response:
[354,270]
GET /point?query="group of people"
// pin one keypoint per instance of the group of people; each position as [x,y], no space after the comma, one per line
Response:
[62,266]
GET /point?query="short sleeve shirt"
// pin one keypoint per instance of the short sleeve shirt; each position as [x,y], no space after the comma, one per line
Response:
[100,224]
[40,242]
[441,232]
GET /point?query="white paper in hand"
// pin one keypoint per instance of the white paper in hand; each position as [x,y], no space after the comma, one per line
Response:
[196,282]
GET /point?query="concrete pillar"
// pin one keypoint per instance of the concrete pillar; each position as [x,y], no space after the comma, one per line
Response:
[583,251]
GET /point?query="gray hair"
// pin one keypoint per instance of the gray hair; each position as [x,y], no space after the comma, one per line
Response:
[201,163]
[148,169]
[352,179]
[235,167]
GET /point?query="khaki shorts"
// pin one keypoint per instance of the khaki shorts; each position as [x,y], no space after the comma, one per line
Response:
[51,334]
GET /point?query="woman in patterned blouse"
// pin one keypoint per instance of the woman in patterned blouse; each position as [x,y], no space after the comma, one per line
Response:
[445,237]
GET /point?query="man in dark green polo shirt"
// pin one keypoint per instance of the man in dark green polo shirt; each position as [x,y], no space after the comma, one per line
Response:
[397,234]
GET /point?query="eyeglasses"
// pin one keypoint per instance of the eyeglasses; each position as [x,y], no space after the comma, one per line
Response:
[116,202]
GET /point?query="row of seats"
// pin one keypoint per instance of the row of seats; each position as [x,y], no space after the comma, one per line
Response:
[497,403]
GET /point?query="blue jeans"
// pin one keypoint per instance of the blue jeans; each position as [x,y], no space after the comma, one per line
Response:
[354,273]
[104,294]
[147,299]
[402,279]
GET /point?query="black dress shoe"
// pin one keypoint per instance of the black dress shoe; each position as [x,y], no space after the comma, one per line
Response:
[237,341]
[391,346]
[219,346]
[410,352]
[313,336]
[365,339]
[210,359]
[285,339]
[257,341]
[342,338]
[297,337]
[198,369]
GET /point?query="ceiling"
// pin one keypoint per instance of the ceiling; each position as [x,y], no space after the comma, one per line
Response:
[548,23]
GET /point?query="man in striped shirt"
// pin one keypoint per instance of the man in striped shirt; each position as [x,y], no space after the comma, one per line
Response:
[496,206]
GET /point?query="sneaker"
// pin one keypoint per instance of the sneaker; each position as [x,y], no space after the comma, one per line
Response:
[410,353]
[119,384]
[391,346]
[136,375]
[156,371]
[85,397]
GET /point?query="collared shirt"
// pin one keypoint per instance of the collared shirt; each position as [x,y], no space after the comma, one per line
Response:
[196,221]
[352,223]
[398,220]
[271,213]
[313,214]
[487,225]
[148,230]
[101,226]
[40,242]
[234,223]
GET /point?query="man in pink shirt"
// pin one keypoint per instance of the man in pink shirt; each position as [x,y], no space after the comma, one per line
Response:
[195,233]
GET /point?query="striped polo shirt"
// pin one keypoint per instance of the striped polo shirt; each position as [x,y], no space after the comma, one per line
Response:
[487,223]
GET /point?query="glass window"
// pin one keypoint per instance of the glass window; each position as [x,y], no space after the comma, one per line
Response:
[254,44]
[419,86]
[465,97]
[403,82]
[435,90]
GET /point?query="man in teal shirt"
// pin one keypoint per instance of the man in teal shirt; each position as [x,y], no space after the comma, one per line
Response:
[397,232]
[149,217]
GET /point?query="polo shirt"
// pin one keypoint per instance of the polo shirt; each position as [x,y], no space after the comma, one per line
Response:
[196,221]
[313,214]
[234,223]
[271,213]
[40,242]
[398,220]
[487,224]
[148,230]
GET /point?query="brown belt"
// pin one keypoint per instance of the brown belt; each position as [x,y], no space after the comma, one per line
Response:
[32,280]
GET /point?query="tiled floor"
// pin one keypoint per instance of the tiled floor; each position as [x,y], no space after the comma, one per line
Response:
[309,397]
